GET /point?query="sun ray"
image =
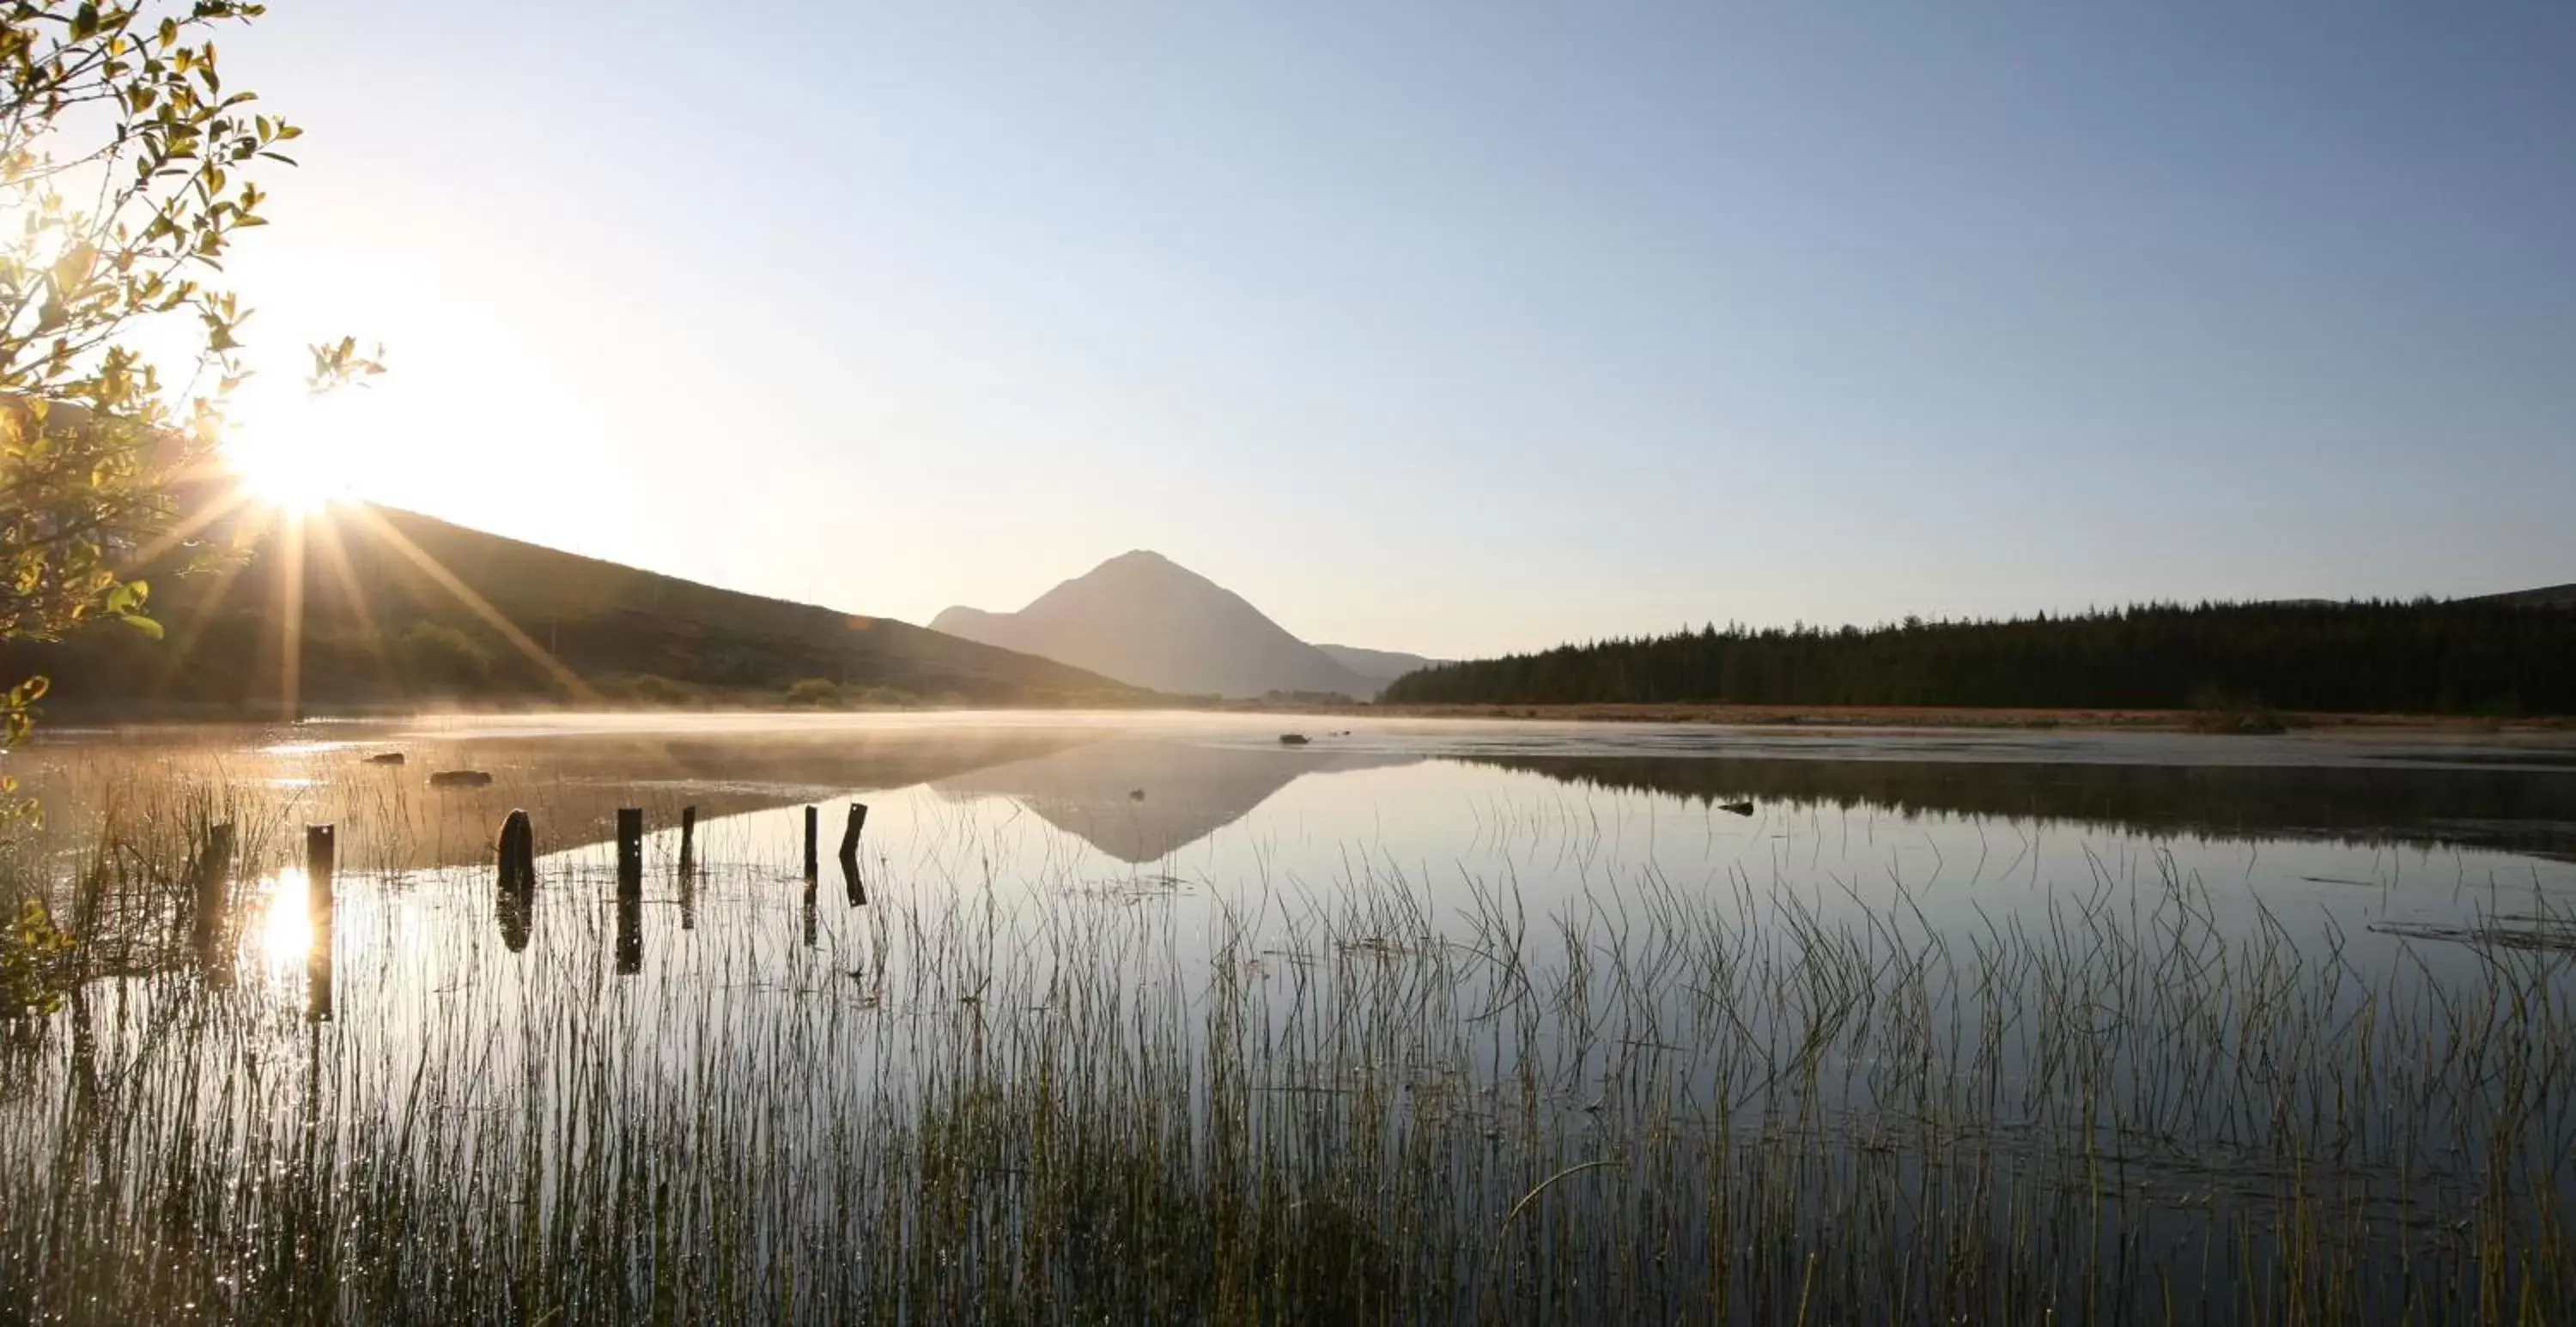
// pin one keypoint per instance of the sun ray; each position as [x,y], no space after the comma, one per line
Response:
[232,500]
[290,622]
[335,561]
[193,629]
[474,603]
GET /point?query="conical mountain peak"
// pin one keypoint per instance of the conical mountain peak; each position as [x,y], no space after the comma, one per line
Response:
[1142,618]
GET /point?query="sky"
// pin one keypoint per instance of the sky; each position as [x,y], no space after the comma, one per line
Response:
[1457,330]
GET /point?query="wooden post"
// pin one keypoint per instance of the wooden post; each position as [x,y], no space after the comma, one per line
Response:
[213,892]
[688,837]
[320,854]
[812,930]
[850,881]
[630,850]
[516,899]
[813,827]
[518,852]
[850,835]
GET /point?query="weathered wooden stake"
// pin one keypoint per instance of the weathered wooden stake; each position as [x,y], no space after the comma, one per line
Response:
[850,881]
[516,900]
[850,835]
[214,891]
[518,852]
[813,827]
[630,850]
[319,857]
[812,929]
[688,837]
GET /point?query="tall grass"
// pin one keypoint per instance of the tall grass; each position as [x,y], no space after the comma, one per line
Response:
[1006,1090]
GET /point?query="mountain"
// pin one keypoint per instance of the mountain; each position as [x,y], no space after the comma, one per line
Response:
[1378,666]
[1147,621]
[390,606]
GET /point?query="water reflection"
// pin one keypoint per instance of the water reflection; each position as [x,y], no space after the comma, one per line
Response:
[630,933]
[1142,799]
[284,932]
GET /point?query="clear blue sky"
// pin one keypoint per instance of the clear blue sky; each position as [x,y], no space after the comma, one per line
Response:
[1456,330]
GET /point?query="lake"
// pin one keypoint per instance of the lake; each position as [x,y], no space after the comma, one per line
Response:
[1142,1017]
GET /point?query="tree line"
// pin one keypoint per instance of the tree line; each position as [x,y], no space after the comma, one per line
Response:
[2422,656]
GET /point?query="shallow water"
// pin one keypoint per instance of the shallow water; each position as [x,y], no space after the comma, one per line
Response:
[1573,942]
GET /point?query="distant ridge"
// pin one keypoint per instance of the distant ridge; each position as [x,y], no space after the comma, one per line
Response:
[376,627]
[2547,596]
[1148,621]
[1378,666]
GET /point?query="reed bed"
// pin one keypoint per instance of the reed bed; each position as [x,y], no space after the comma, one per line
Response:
[1008,1089]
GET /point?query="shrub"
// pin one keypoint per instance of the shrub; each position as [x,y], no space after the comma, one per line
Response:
[820,693]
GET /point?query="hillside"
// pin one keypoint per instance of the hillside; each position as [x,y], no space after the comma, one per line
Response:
[388,614]
[1378,666]
[2547,596]
[2424,657]
[1145,620]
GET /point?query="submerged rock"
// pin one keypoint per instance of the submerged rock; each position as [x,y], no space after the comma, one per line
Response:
[459,778]
[1292,739]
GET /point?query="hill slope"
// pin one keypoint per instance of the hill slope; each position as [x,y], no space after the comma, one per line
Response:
[389,612]
[1378,666]
[1143,619]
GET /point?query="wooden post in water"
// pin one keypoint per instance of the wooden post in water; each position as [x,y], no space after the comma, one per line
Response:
[688,837]
[850,854]
[518,852]
[850,880]
[517,896]
[850,835]
[813,832]
[214,886]
[630,850]
[320,854]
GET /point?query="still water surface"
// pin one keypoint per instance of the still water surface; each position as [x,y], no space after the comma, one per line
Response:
[2173,949]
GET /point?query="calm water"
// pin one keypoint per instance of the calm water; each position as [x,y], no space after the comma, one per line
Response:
[1610,934]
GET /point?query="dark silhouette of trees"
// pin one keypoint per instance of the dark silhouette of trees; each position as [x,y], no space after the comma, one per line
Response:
[2424,656]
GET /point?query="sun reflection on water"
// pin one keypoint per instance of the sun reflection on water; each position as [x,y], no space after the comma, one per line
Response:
[285,931]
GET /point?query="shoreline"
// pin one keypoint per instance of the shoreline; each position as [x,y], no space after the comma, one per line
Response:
[1953,716]
[2016,718]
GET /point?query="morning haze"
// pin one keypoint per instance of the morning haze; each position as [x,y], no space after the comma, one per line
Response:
[1475,664]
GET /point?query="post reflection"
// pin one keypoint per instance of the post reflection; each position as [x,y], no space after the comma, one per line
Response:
[516,909]
[630,933]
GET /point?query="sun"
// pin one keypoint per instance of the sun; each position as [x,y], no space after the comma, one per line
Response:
[293,454]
